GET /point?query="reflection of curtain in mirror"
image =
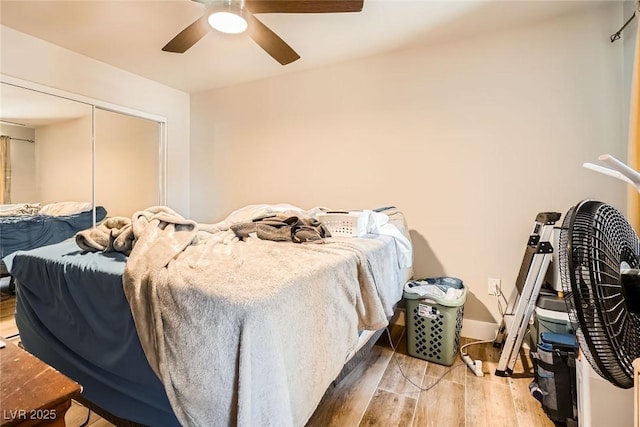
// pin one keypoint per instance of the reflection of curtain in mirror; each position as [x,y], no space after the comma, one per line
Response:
[633,198]
[5,169]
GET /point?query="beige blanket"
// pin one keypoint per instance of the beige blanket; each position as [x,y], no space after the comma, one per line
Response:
[112,235]
[249,332]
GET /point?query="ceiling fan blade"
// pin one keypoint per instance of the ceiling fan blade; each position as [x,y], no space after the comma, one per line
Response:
[304,6]
[271,42]
[189,36]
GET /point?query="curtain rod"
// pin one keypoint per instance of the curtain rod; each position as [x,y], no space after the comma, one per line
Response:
[22,139]
[615,36]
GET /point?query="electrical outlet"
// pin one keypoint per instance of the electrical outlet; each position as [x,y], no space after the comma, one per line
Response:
[493,286]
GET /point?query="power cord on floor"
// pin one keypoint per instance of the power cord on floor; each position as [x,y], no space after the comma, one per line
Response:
[395,357]
[476,365]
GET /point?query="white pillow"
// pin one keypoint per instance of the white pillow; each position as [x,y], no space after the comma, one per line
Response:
[13,207]
[65,208]
[20,209]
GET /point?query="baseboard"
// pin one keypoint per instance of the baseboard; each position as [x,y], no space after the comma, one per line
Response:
[478,330]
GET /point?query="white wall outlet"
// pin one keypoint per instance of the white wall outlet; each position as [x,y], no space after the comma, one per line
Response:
[493,286]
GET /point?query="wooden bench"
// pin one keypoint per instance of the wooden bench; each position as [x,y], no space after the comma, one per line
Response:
[32,393]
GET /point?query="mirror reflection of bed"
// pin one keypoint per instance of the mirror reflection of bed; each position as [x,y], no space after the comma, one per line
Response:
[65,165]
[25,226]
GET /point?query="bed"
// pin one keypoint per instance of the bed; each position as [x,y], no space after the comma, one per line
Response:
[27,226]
[220,331]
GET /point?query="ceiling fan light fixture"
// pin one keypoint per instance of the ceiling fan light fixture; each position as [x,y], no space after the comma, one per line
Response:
[230,22]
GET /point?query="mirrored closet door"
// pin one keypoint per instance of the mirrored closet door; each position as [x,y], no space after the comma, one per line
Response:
[127,162]
[48,154]
[61,149]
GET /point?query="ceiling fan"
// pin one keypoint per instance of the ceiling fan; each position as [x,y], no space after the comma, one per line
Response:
[237,16]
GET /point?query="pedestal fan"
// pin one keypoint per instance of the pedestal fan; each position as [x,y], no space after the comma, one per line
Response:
[599,254]
[599,260]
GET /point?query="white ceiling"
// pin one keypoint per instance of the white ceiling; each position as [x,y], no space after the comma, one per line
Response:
[130,34]
[33,109]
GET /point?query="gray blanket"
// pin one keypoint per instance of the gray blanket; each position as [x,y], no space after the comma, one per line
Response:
[112,235]
[283,228]
[250,332]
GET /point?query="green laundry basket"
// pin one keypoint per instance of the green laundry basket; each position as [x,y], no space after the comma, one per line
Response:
[433,327]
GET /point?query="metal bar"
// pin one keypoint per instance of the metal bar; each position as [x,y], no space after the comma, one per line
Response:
[530,306]
[22,139]
[93,163]
[615,36]
[534,268]
[518,328]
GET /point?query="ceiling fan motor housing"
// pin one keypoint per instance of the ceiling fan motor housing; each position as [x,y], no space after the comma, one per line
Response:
[243,13]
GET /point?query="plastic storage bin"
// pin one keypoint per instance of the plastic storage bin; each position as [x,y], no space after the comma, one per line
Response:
[434,323]
[551,322]
[550,315]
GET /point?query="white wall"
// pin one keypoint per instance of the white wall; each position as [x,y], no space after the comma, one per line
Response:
[23,164]
[628,42]
[32,59]
[63,161]
[470,138]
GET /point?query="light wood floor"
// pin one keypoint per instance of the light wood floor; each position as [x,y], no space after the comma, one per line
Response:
[376,394]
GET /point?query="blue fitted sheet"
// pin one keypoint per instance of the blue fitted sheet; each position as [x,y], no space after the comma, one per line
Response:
[65,297]
[32,231]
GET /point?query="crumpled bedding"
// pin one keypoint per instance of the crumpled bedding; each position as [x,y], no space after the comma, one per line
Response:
[51,209]
[65,208]
[114,234]
[238,331]
[20,209]
[283,228]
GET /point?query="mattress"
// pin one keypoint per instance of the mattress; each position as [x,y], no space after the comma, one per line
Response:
[72,313]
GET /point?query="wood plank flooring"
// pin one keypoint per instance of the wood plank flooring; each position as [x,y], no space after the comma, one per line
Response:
[7,322]
[458,398]
[376,393]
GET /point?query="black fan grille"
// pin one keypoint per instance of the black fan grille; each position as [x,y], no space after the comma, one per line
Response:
[594,241]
